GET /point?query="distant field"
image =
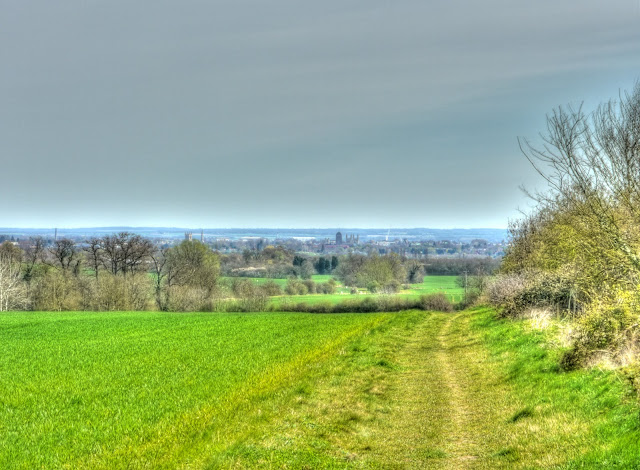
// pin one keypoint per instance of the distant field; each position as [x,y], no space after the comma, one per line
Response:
[114,390]
[431,285]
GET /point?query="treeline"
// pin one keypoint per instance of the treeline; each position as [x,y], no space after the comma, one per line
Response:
[123,271]
[578,254]
[275,261]
[431,302]
[460,266]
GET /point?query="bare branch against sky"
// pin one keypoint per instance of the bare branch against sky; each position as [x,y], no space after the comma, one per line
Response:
[289,113]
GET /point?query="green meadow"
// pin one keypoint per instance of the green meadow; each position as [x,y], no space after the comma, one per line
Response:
[430,285]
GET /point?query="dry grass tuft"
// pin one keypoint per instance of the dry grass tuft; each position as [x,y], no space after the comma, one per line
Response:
[539,318]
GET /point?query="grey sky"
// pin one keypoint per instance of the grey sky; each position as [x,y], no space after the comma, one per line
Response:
[291,113]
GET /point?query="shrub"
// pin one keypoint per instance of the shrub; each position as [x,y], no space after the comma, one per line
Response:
[271,288]
[55,291]
[470,298]
[515,293]
[613,330]
[391,287]
[132,292]
[362,305]
[187,299]
[438,302]
[373,287]
[295,287]
[632,373]
[310,285]
[505,291]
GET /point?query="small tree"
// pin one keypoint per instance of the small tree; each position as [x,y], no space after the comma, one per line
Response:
[65,255]
[11,252]
[32,256]
[193,264]
[94,254]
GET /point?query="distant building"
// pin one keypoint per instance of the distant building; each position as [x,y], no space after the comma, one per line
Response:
[188,236]
[339,238]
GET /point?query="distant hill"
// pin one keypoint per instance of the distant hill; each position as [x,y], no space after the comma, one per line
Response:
[455,234]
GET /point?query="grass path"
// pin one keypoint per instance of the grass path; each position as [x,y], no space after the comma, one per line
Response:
[444,413]
[418,396]
[448,391]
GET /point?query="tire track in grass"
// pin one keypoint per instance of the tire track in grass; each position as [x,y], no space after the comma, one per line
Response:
[464,442]
[447,406]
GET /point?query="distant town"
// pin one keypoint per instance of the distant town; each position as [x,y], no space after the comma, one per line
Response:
[411,243]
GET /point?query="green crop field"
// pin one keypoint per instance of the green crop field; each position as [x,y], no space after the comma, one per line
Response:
[433,284]
[430,285]
[104,390]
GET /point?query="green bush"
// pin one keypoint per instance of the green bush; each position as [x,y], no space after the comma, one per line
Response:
[310,285]
[373,287]
[438,302]
[632,373]
[271,288]
[295,286]
[603,329]
[326,287]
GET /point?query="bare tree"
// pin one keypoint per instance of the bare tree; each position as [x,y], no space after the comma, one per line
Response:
[93,252]
[164,272]
[33,254]
[11,251]
[125,252]
[12,289]
[591,163]
[65,255]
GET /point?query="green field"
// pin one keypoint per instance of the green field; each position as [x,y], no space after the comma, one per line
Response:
[430,285]
[406,390]
[433,284]
[100,389]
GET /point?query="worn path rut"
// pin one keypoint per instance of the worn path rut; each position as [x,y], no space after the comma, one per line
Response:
[445,403]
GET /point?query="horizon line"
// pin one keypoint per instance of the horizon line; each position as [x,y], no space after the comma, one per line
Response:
[105,227]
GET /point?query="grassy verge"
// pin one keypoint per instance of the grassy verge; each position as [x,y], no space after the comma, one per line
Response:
[448,391]
[579,419]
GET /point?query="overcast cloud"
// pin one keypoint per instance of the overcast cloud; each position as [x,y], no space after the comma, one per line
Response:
[291,113]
